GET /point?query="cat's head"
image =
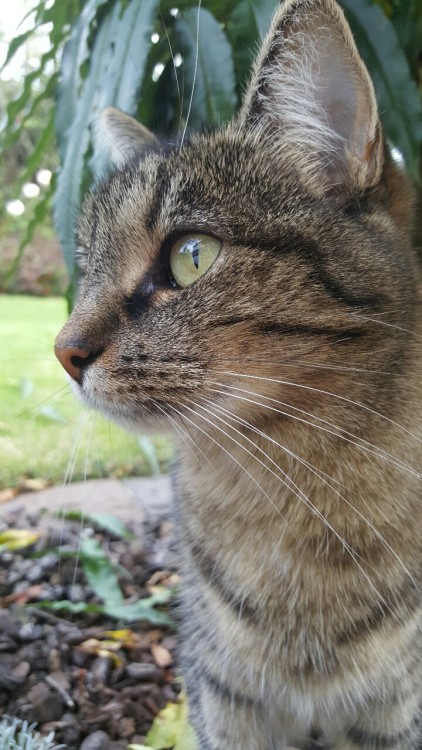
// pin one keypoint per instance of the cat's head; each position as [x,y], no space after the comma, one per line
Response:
[256,254]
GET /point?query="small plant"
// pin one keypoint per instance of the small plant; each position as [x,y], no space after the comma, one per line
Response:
[102,576]
[20,735]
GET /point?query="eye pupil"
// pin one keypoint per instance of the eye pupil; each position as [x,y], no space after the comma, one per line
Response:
[195,255]
[190,251]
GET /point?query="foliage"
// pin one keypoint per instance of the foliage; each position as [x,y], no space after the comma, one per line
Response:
[14,539]
[170,729]
[186,68]
[101,576]
[44,433]
[20,735]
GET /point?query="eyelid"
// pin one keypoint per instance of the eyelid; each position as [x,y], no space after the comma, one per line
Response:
[176,234]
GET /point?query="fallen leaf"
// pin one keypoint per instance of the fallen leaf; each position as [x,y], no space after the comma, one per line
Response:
[14,539]
[171,728]
[93,645]
[33,485]
[22,597]
[7,495]
[106,649]
[126,637]
[161,655]
[164,577]
[103,521]
[155,635]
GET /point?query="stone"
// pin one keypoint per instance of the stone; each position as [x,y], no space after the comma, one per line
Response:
[97,741]
[143,671]
[35,574]
[46,705]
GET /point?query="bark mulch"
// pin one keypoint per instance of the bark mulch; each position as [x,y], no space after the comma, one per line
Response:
[90,697]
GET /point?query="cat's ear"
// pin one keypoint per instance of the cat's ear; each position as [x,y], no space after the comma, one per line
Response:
[120,137]
[311,95]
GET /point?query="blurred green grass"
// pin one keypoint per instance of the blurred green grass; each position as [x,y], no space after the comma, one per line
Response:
[44,433]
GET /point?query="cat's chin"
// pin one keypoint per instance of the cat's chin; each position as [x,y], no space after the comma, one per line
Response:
[144,422]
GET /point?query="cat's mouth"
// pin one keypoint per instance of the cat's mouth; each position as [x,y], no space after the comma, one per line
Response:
[96,392]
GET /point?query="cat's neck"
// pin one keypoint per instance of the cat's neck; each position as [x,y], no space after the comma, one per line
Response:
[299,484]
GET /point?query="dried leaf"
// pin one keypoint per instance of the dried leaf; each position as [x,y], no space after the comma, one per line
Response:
[7,495]
[14,539]
[171,728]
[106,649]
[94,646]
[22,597]
[33,485]
[127,638]
[161,655]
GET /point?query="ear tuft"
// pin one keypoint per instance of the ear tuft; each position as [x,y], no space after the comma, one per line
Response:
[311,95]
[120,136]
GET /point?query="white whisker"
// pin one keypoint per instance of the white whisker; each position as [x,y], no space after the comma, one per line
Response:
[311,365]
[174,66]
[327,393]
[183,434]
[391,325]
[317,473]
[339,432]
[297,492]
[184,417]
[195,72]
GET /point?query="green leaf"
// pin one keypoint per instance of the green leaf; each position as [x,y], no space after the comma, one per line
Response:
[14,539]
[114,75]
[141,610]
[52,414]
[149,453]
[208,69]
[26,387]
[129,613]
[171,728]
[17,105]
[75,608]
[406,17]
[40,213]
[12,133]
[74,142]
[247,26]
[76,53]
[99,573]
[124,64]
[103,521]
[398,97]
[42,148]
[14,45]
[144,609]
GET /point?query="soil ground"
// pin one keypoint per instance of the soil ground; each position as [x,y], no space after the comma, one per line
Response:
[53,669]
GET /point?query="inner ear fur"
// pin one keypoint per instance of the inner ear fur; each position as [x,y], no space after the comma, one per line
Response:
[121,136]
[311,94]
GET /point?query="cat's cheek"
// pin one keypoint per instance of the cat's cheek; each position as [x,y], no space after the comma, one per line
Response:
[75,388]
[80,393]
[90,397]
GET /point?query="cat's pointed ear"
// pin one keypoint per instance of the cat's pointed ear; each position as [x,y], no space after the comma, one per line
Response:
[311,94]
[120,137]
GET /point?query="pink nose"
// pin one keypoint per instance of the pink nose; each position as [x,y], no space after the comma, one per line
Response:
[73,359]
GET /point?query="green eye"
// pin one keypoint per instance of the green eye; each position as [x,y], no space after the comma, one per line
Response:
[191,256]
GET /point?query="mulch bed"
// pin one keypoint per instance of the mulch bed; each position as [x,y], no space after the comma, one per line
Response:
[91,700]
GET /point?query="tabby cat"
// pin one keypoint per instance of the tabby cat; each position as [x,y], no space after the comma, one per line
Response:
[255,290]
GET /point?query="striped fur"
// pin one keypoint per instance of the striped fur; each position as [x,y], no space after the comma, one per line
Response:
[290,375]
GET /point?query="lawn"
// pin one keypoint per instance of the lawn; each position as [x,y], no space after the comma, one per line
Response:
[44,432]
